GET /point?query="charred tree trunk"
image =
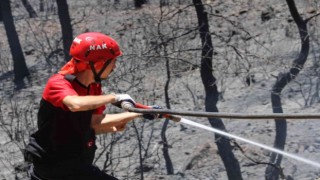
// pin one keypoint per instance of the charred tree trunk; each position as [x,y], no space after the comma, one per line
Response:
[0,13]
[209,81]
[139,3]
[29,8]
[272,173]
[67,35]
[164,48]
[41,6]
[141,170]
[164,2]
[165,148]
[19,63]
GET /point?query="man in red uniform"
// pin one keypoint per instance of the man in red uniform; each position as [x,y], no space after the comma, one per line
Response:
[71,112]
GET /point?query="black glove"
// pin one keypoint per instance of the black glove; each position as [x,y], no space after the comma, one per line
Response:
[153,116]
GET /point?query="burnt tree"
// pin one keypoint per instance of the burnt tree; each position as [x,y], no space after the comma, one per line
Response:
[32,13]
[164,47]
[41,6]
[272,172]
[212,95]
[165,148]
[0,13]
[19,63]
[139,3]
[66,28]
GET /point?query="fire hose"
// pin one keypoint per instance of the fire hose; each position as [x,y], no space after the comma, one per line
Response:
[170,114]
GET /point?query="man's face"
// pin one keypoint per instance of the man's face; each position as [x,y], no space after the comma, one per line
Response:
[109,69]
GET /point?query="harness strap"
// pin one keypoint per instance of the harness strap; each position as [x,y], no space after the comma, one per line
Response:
[70,77]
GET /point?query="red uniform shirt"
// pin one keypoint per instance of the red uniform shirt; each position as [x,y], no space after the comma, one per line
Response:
[58,88]
[63,134]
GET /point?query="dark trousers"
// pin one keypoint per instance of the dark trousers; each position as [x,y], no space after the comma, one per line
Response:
[67,172]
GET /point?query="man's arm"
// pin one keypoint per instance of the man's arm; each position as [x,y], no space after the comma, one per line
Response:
[84,103]
[112,122]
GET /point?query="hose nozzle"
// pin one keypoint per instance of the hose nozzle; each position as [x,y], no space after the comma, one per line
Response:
[168,116]
[127,105]
[138,108]
[172,117]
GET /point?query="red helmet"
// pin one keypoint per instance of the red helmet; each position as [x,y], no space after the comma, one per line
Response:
[94,47]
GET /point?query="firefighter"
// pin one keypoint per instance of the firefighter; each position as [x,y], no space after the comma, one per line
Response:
[71,112]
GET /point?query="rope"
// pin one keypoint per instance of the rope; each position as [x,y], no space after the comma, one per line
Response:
[226,115]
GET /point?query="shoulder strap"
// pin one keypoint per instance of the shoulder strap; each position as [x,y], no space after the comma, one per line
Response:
[70,77]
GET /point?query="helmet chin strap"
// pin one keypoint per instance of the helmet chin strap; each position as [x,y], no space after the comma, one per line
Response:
[97,76]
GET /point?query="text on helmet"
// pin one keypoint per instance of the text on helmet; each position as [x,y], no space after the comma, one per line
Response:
[97,47]
[77,40]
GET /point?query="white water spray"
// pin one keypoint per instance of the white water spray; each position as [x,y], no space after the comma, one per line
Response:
[313,163]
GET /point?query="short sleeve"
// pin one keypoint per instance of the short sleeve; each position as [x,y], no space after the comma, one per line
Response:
[57,89]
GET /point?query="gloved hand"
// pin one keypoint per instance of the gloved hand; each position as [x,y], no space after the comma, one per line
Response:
[153,116]
[122,98]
